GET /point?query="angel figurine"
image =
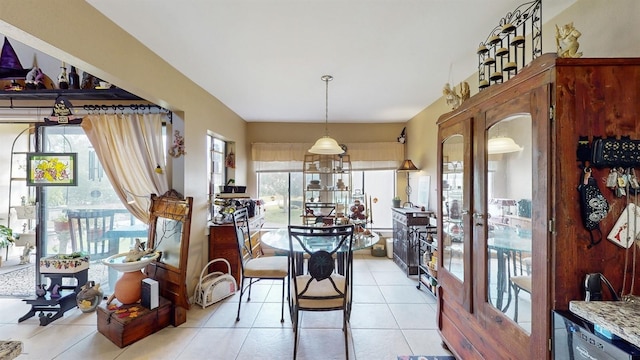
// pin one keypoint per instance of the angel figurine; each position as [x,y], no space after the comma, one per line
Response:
[567,41]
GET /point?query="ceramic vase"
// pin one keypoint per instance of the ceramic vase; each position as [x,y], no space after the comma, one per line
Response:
[128,288]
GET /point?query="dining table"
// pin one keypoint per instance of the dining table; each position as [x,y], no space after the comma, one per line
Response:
[278,239]
[507,248]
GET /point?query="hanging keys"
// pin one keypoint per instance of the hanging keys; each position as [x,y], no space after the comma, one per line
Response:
[621,183]
[612,179]
[633,180]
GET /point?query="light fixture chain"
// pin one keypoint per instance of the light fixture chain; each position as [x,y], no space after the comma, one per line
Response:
[326,79]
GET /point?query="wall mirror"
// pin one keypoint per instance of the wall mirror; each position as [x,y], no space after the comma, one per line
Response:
[169,227]
[509,193]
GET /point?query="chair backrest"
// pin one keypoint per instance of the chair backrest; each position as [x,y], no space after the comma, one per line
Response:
[322,245]
[89,225]
[243,235]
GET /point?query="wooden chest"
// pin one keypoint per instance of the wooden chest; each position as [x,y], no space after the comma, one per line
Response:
[130,323]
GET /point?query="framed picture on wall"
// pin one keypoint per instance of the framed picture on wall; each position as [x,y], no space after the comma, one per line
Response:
[52,169]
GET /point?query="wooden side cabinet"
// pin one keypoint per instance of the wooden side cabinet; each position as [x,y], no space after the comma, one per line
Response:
[222,244]
[406,223]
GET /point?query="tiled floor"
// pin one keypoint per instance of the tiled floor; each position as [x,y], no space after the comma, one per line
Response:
[390,317]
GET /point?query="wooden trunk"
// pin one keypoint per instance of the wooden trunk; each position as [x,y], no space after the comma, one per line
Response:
[126,330]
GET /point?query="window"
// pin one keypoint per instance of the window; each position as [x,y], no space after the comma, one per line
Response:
[215,169]
[281,193]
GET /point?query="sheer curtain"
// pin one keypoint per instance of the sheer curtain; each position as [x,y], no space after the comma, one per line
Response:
[130,147]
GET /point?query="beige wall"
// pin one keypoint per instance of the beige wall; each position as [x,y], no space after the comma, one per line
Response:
[73,31]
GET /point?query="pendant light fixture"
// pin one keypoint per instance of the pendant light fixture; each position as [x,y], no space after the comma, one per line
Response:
[502,145]
[326,145]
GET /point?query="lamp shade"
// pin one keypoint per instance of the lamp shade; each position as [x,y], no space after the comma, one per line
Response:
[502,145]
[326,146]
[407,165]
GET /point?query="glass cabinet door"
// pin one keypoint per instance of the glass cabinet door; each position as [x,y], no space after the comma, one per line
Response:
[452,206]
[453,216]
[508,176]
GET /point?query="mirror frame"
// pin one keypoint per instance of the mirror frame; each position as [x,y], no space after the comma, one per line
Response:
[172,280]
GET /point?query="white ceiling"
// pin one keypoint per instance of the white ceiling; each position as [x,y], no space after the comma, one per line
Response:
[264,58]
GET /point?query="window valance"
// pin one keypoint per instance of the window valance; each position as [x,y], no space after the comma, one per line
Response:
[289,156]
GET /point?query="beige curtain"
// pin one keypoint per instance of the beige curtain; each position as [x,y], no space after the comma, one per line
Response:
[130,147]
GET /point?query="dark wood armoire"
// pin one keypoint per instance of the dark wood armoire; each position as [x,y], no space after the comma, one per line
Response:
[517,212]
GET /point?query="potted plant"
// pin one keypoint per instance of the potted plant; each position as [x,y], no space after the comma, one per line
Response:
[396,202]
[6,240]
[61,223]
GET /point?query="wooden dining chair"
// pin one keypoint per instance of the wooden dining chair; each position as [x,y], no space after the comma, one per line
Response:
[321,287]
[88,229]
[254,267]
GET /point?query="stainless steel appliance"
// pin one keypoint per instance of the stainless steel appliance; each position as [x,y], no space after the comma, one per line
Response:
[575,338]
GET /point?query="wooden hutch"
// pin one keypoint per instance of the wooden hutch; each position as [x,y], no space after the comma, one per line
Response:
[563,99]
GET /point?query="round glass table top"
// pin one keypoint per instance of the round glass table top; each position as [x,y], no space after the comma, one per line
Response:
[279,240]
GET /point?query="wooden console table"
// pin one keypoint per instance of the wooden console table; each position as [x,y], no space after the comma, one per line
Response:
[55,307]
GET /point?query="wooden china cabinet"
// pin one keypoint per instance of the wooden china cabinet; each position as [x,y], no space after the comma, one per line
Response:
[511,211]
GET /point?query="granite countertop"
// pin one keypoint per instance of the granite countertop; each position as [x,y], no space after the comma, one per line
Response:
[618,317]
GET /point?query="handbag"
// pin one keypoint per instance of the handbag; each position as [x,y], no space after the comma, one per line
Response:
[593,206]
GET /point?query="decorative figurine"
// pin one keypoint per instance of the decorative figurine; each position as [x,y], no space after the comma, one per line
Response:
[137,252]
[567,41]
[30,79]
[87,81]
[41,290]
[457,95]
[89,297]
[25,257]
[63,82]
[40,79]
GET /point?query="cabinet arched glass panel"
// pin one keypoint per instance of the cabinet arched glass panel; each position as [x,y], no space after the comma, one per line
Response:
[453,205]
[509,192]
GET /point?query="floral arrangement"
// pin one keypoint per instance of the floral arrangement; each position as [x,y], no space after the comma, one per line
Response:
[51,170]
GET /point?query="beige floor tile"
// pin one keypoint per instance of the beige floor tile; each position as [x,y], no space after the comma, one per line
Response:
[367,294]
[382,344]
[425,342]
[402,294]
[321,319]
[414,316]
[215,344]
[390,317]
[267,344]
[392,278]
[372,316]
[225,315]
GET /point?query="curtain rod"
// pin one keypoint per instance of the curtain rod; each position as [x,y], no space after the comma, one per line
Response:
[102,108]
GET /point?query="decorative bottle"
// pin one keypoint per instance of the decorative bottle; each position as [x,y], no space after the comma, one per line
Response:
[74,79]
[63,83]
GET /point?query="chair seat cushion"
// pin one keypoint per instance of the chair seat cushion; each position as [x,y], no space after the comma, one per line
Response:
[267,267]
[523,282]
[320,288]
